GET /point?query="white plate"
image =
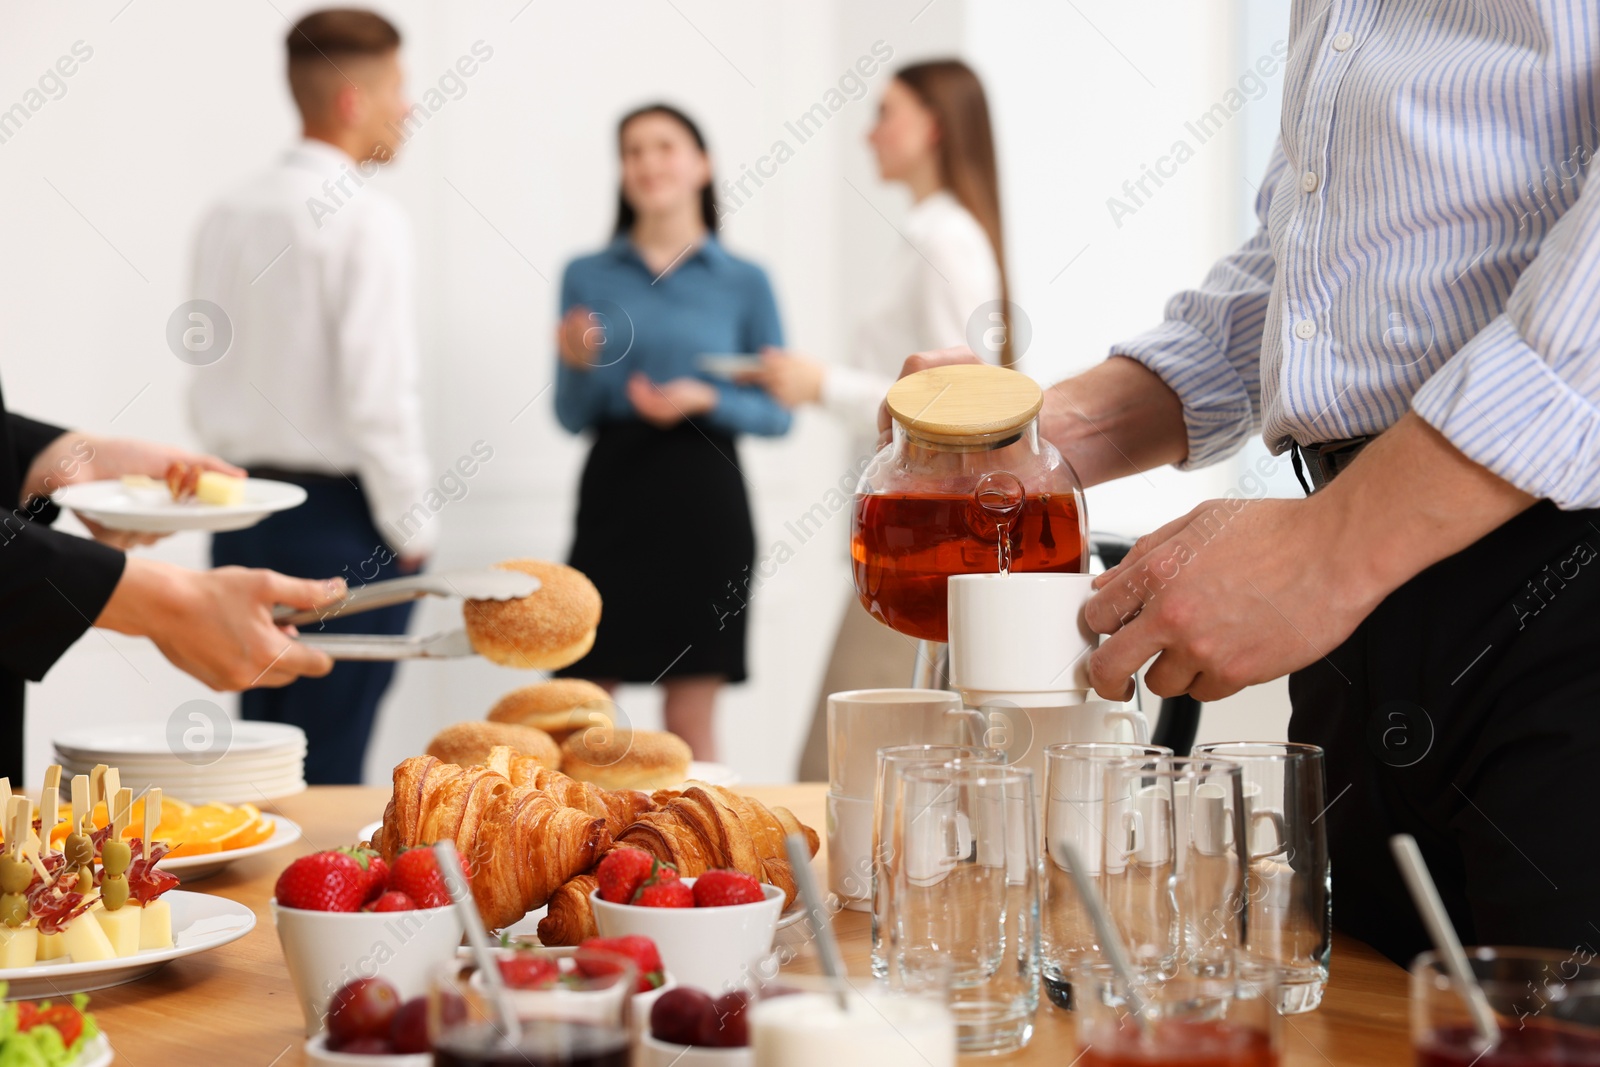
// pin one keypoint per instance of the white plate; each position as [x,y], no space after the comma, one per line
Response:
[200,922]
[114,505]
[194,868]
[99,744]
[727,365]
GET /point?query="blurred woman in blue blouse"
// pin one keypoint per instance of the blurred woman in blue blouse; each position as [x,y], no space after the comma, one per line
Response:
[663,525]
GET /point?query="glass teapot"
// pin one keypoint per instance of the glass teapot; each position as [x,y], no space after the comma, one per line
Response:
[966,486]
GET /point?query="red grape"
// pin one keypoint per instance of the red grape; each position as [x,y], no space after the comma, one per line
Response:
[732,1030]
[684,1016]
[362,1008]
[408,1033]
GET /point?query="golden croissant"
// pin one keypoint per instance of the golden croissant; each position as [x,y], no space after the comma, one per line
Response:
[698,829]
[520,843]
[618,807]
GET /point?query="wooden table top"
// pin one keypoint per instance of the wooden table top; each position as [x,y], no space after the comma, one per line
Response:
[234,1005]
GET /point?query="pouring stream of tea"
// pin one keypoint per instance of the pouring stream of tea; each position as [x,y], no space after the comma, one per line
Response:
[1000,494]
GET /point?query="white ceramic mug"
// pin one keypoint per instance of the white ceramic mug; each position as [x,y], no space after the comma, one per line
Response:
[1021,735]
[861,721]
[849,823]
[1020,638]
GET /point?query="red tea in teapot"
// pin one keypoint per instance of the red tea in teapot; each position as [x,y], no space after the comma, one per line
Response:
[905,546]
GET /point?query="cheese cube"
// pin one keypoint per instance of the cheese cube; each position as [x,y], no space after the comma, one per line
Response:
[85,941]
[51,947]
[19,946]
[219,489]
[122,928]
[155,925]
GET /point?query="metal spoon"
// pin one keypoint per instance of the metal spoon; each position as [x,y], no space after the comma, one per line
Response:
[811,898]
[1111,946]
[456,884]
[1425,895]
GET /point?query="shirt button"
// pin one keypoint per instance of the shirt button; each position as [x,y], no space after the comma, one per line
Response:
[1308,182]
[1305,329]
[1343,41]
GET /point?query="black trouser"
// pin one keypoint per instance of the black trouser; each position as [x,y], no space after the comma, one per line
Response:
[331,535]
[1465,711]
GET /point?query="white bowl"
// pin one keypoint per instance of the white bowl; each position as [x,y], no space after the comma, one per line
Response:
[653,1053]
[710,949]
[317,1053]
[326,949]
[639,1009]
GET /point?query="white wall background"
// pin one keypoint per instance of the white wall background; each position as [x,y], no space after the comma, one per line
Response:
[103,187]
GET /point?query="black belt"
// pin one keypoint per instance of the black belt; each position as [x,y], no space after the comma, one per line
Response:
[1321,462]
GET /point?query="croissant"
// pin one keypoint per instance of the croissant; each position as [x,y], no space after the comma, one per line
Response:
[570,920]
[520,843]
[528,845]
[618,807]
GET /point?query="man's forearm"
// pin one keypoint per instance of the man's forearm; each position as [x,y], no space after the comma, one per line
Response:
[1116,419]
[1411,499]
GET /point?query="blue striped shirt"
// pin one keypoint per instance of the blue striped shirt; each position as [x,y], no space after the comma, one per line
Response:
[1425,245]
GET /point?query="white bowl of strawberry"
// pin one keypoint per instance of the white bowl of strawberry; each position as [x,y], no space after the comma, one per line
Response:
[709,929]
[345,914]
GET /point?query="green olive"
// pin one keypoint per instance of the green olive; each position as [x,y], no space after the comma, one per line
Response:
[115,857]
[79,850]
[14,875]
[85,881]
[13,909]
[114,892]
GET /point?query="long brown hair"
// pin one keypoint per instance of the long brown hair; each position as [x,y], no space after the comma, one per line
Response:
[950,89]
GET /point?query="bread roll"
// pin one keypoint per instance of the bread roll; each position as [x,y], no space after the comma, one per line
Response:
[548,630]
[626,759]
[467,744]
[559,708]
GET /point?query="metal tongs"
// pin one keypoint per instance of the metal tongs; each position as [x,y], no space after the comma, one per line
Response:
[485,583]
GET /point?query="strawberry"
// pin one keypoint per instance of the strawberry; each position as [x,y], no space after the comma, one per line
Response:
[658,894]
[716,889]
[641,950]
[323,881]
[528,970]
[377,870]
[416,874]
[391,900]
[623,870]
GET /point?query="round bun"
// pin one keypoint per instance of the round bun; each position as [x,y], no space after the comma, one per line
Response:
[626,759]
[559,708]
[546,631]
[467,744]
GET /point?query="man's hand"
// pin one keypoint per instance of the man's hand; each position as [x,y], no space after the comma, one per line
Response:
[74,458]
[1238,592]
[1234,593]
[217,625]
[666,404]
[791,379]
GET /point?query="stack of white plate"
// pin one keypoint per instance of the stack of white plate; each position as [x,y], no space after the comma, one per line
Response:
[259,761]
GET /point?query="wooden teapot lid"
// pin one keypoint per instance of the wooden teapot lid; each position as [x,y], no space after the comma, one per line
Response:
[965,400]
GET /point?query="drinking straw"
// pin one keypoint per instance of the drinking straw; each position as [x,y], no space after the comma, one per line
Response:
[811,897]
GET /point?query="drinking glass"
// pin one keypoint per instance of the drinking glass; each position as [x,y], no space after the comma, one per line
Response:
[1291,912]
[891,761]
[1547,1002]
[581,1020]
[966,896]
[1223,1020]
[1075,811]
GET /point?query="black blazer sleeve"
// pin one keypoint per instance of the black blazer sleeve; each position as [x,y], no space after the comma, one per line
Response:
[52,585]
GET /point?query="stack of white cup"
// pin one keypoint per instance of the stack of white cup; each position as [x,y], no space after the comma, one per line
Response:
[860,722]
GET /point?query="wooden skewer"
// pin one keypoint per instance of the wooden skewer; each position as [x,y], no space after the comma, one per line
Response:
[121,811]
[49,808]
[152,816]
[97,779]
[109,784]
[80,802]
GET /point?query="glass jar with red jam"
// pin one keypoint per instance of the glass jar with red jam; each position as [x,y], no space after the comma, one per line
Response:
[966,486]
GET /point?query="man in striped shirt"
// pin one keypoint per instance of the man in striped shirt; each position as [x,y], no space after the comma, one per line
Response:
[1419,314]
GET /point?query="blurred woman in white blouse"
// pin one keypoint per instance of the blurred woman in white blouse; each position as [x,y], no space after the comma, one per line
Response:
[932,135]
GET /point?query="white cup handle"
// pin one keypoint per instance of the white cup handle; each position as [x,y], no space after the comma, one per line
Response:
[1136,722]
[1279,830]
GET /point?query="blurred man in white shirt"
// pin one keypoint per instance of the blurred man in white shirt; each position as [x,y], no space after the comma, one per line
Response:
[313,267]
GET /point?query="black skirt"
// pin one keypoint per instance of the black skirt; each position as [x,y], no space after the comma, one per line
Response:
[664,532]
